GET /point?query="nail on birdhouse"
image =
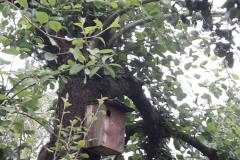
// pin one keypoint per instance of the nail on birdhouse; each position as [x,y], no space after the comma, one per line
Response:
[106,135]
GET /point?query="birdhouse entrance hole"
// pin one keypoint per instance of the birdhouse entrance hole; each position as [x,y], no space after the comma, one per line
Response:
[108,113]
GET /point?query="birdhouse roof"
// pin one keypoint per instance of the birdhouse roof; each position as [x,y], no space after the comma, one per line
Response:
[115,104]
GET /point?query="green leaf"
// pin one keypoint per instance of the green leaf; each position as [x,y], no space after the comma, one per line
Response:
[23,3]
[8,109]
[94,118]
[67,104]
[3,97]
[42,17]
[81,58]
[30,140]
[237,111]
[2,146]
[90,63]
[54,25]
[94,71]
[140,36]
[81,144]
[93,51]
[114,5]
[25,151]
[86,71]
[194,33]
[224,86]
[11,51]
[214,58]
[102,40]
[48,128]
[84,155]
[187,65]
[114,64]
[104,51]
[105,57]
[77,54]
[79,25]
[77,6]
[180,94]
[176,144]
[160,20]
[78,41]
[197,76]
[207,97]
[211,126]
[49,56]
[111,71]
[64,80]
[28,82]
[135,3]
[4,62]
[115,23]
[98,23]
[70,62]
[173,20]
[89,29]
[100,101]
[6,11]
[52,41]
[24,94]
[122,57]
[75,69]
[135,157]
[235,76]
[103,112]
[204,62]
[52,2]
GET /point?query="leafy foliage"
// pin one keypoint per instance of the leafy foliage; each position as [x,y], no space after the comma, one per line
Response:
[182,52]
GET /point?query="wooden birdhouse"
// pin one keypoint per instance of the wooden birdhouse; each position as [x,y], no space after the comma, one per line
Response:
[106,135]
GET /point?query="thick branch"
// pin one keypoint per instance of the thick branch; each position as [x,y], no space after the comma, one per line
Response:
[206,151]
[141,102]
[126,28]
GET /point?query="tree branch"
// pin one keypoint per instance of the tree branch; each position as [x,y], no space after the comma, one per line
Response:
[206,151]
[156,130]
[127,28]
[112,18]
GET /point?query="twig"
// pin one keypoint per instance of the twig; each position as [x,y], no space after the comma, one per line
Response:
[22,90]
[128,27]
[15,86]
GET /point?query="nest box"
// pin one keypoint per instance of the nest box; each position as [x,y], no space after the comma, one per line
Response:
[106,135]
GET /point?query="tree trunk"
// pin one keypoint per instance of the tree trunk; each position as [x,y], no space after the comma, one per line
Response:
[80,94]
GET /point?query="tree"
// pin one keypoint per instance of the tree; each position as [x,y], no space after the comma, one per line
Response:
[118,49]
